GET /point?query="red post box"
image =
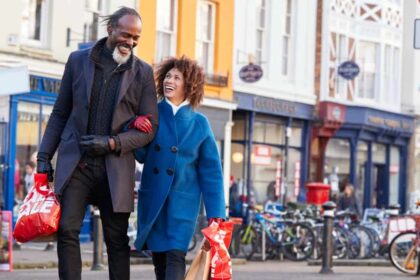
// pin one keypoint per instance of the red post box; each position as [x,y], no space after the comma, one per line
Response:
[318,193]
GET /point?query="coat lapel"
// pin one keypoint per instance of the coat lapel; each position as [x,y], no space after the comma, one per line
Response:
[127,78]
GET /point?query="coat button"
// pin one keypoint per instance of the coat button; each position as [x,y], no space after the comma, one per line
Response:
[156,170]
[170,171]
[157,147]
[174,149]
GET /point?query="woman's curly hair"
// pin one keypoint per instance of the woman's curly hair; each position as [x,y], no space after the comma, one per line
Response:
[192,73]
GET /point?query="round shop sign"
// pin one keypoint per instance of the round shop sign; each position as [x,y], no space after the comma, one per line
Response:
[348,70]
[251,73]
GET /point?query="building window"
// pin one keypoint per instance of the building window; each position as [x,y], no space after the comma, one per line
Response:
[287,38]
[261,31]
[34,17]
[93,9]
[166,29]
[205,35]
[367,57]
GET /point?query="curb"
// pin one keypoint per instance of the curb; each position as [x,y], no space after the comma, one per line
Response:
[378,263]
[133,261]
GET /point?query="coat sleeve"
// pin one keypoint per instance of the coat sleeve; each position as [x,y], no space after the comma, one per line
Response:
[210,176]
[132,138]
[60,113]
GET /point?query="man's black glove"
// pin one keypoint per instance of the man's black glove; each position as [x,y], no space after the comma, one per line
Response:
[96,145]
[43,165]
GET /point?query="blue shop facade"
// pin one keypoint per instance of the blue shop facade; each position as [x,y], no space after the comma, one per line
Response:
[270,148]
[368,149]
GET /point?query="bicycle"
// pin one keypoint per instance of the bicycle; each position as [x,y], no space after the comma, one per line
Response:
[405,247]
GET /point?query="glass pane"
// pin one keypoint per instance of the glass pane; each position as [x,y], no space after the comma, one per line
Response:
[274,133]
[264,168]
[258,135]
[296,138]
[287,29]
[260,39]
[378,153]
[293,174]
[27,140]
[166,11]
[394,176]
[238,129]
[337,163]
[46,113]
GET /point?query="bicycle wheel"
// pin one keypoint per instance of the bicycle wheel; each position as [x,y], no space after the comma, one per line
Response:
[403,252]
[248,241]
[341,242]
[298,242]
[366,241]
[354,244]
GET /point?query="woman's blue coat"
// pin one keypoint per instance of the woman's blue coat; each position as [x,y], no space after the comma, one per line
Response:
[180,165]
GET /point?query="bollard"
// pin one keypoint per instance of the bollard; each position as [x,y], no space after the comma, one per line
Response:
[98,241]
[327,240]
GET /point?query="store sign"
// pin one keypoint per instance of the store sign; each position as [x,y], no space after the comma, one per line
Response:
[274,105]
[251,73]
[348,70]
[44,84]
[395,124]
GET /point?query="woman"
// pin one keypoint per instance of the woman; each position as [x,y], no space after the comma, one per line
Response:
[181,165]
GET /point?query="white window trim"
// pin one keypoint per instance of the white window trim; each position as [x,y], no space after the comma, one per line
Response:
[42,42]
[207,68]
[264,31]
[338,61]
[172,33]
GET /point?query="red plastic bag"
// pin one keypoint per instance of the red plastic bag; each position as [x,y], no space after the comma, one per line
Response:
[40,212]
[219,236]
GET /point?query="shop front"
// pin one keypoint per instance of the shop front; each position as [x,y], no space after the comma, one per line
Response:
[270,148]
[370,151]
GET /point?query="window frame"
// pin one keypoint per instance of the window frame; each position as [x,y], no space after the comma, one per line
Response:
[286,57]
[44,28]
[375,72]
[173,14]
[200,41]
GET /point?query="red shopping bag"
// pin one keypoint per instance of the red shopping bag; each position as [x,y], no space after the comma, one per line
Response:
[219,236]
[39,214]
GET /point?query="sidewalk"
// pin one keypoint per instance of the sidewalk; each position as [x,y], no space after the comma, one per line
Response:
[32,255]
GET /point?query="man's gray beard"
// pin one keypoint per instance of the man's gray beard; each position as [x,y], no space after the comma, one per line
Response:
[118,57]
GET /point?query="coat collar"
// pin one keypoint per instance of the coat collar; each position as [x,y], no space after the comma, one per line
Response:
[185,112]
[89,69]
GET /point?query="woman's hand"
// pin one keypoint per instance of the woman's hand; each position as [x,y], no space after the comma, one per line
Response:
[216,220]
[206,245]
[142,124]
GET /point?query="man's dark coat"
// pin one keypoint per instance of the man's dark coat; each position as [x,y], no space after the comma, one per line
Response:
[69,120]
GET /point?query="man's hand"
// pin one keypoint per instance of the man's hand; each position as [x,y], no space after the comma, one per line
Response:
[142,123]
[43,165]
[96,145]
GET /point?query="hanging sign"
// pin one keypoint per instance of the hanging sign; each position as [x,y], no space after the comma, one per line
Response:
[251,73]
[348,70]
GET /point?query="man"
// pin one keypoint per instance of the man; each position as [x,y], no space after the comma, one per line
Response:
[101,90]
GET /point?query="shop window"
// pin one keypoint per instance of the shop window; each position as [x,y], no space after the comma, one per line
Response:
[378,153]
[268,131]
[394,176]
[93,9]
[166,29]
[296,137]
[238,129]
[362,157]
[205,34]
[337,161]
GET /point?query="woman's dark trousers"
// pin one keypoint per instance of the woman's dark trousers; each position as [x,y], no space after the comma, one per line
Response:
[169,265]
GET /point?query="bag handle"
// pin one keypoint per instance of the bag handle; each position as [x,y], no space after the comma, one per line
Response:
[41,183]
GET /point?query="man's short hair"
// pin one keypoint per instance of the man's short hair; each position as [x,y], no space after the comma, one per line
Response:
[112,20]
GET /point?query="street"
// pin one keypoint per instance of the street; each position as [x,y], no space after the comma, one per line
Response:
[251,270]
